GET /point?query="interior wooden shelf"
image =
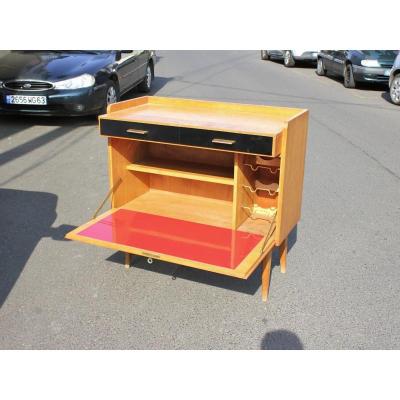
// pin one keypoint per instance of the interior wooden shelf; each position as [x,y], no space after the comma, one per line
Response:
[193,209]
[182,206]
[257,226]
[180,169]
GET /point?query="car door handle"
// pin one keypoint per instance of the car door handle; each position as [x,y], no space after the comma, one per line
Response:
[224,141]
[138,131]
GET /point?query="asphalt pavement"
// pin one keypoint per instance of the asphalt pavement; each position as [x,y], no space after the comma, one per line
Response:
[341,289]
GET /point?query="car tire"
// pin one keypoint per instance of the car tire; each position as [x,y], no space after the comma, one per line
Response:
[145,85]
[321,70]
[395,90]
[348,76]
[111,96]
[288,60]
[264,55]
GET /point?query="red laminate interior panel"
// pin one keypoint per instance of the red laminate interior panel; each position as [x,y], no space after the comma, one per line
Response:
[189,240]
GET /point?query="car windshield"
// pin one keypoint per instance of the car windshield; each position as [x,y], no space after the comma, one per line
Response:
[380,53]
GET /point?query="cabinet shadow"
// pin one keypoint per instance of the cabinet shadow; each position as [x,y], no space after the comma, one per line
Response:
[247,286]
[25,218]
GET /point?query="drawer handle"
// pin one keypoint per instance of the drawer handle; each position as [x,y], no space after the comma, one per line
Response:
[138,131]
[224,141]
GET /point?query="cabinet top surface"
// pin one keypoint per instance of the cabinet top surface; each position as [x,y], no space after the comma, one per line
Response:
[209,115]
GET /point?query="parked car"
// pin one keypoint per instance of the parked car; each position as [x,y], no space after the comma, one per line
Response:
[357,65]
[290,57]
[394,81]
[71,82]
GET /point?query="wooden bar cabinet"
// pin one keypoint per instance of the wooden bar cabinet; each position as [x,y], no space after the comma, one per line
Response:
[209,185]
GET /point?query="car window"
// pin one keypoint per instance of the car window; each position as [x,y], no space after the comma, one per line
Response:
[134,53]
[380,53]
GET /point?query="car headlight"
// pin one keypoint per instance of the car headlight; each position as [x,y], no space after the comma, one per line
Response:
[82,81]
[370,63]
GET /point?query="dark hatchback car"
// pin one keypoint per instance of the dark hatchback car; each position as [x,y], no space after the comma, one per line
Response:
[357,65]
[71,82]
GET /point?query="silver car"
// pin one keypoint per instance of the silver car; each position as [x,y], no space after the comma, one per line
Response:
[290,57]
[394,81]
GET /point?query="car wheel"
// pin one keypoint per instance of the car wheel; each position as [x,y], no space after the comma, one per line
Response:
[395,90]
[264,55]
[112,95]
[321,71]
[145,85]
[349,81]
[288,59]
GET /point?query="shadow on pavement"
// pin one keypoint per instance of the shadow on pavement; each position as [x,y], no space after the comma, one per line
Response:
[247,286]
[299,64]
[36,142]
[375,87]
[386,96]
[25,218]
[281,340]
[158,83]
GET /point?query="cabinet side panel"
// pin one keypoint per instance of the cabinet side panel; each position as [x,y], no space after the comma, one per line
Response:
[241,196]
[293,152]
[122,152]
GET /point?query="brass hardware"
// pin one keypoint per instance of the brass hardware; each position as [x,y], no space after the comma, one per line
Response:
[265,214]
[224,141]
[110,192]
[272,170]
[138,131]
[271,192]
[150,256]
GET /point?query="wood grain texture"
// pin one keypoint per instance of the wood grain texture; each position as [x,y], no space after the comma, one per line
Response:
[243,271]
[241,196]
[185,170]
[283,248]
[209,115]
[266,275]
[182,206]
[198,155]
[121,152]
[128,260]
[207,185]
[208,190]
[294,143]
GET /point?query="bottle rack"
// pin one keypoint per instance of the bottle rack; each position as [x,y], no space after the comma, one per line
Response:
[272,165]
[265,174]
[271,187]
[257,212]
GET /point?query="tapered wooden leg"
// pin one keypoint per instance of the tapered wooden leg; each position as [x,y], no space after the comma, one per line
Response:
[128,260]
[282,255]
[265,276]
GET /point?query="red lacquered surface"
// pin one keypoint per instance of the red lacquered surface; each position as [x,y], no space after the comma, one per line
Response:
[189,240]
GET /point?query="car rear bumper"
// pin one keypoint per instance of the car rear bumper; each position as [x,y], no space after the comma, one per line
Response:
[75,102]
[368,74]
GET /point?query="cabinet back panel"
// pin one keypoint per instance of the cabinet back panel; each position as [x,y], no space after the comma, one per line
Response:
[194,188]
[191,155]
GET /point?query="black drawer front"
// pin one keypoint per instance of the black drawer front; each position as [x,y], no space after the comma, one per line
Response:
[135,130]
[226,141]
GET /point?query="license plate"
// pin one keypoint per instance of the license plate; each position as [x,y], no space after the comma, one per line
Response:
[31,100]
